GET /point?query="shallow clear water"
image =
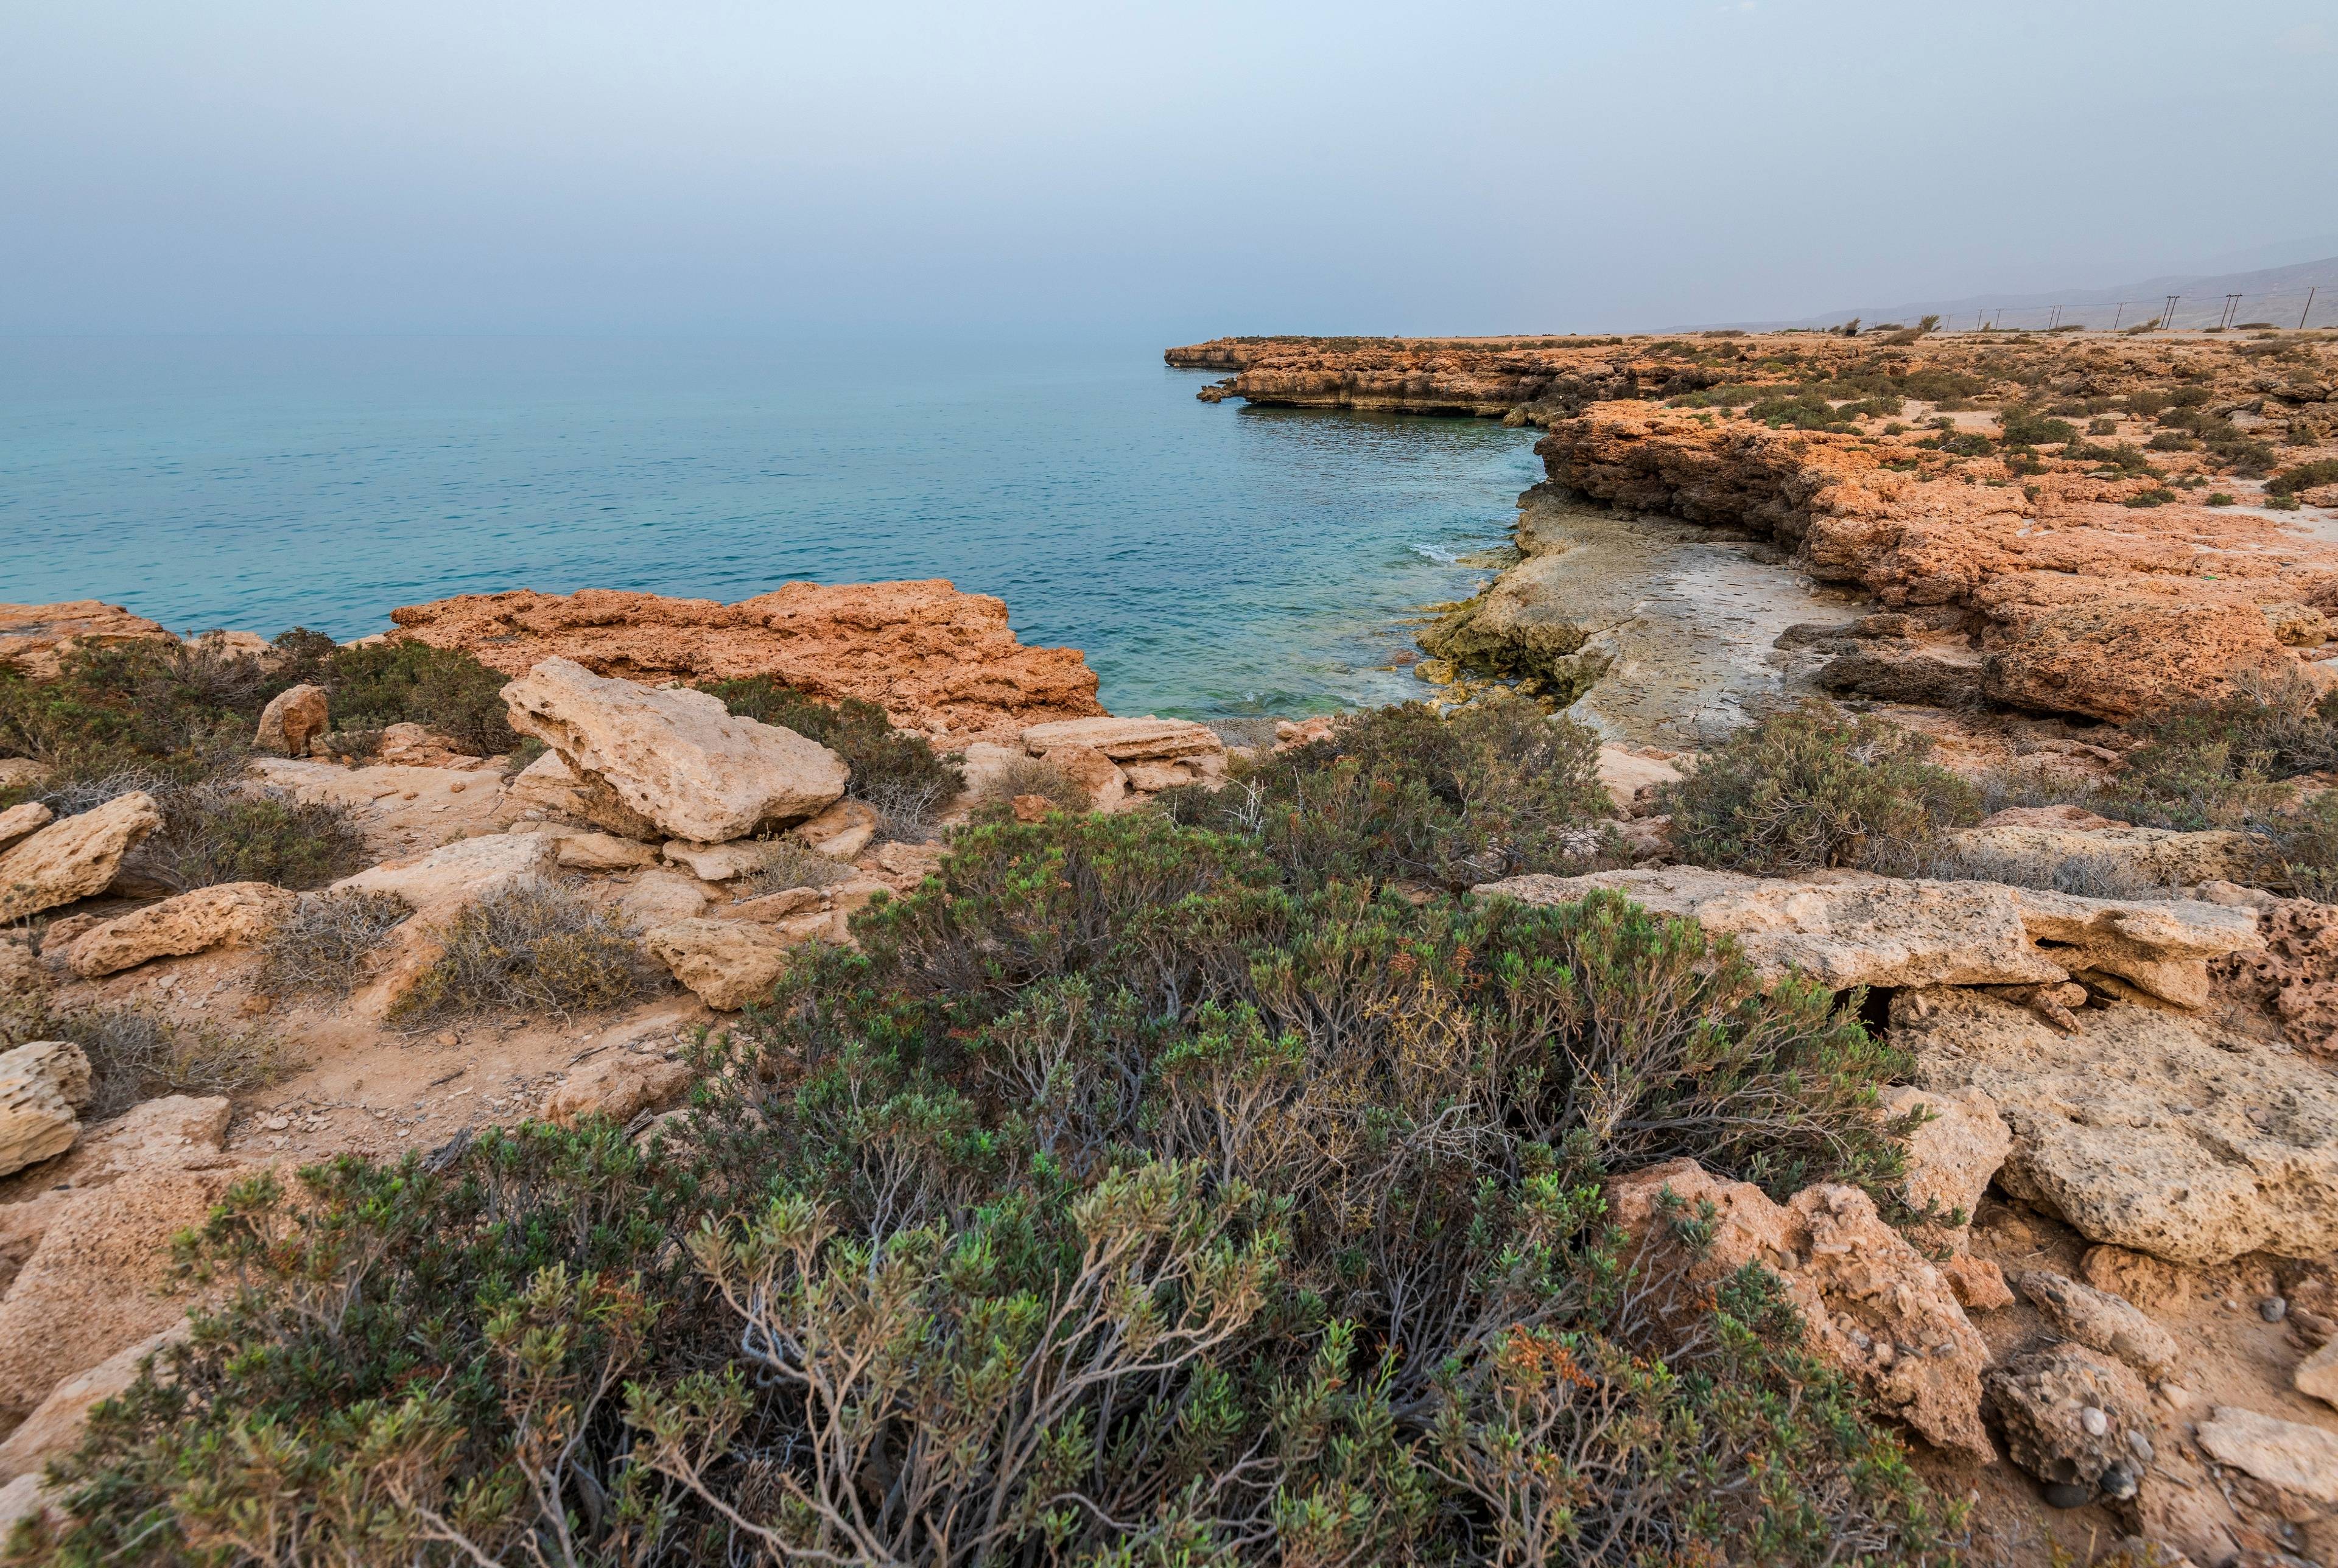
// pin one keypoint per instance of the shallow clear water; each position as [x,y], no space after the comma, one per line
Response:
[1211,560]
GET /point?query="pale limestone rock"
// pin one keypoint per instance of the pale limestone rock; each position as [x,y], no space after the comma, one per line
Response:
[2297,1458]
[983,764]
[2159,856]
[412,745]
[2148,1282]
[908,863]
[674,758]
[1846,928]
[20,1499]
[75,857]
[43,1086]
[225,915]
[2041,1400]
[293,718]
[94,1283]
[20,970]
[1126,740]
[841,832]
[2147,1127]
[21,821]
[546,785]
[439,886]
[1951,1157]
[2101,1321]
[55,1428]
[2317,1375]
[722,862]
[619,1085]
[773,907]
[604,852]
[660,897]
[1092,772]
[730,962]
[1870,1303]
[1152,778]
[1624,775]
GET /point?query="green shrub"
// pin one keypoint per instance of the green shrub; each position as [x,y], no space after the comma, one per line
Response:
[793,863]
[1120,1199]
[224,831]
[444,689]
[533,948]
[2304,476]
[2157,495]
[2215,763]
[894,770]
[1814,788]
[1492,790]
[167,711]
[2027,428]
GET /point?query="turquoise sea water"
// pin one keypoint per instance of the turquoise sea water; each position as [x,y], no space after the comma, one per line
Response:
[1211,560]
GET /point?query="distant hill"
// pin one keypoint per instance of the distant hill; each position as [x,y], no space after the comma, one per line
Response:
[2275,294]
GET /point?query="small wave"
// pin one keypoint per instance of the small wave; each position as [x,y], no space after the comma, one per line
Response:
[1437,552]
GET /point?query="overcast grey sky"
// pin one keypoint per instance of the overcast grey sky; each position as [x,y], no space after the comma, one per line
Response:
[1167,170]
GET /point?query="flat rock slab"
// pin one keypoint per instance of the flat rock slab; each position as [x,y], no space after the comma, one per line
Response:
[674,761]
[225,915]
[2145,1128]
[2107,854]
[730,962]
[75,858]
[43,1086]
[2285,1454]
[1126,740]
[1847,928]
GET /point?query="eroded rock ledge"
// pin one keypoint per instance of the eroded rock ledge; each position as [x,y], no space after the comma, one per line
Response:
[931,656]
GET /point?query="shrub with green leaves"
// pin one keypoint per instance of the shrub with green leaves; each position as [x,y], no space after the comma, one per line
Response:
[1404,793]
[1124,1198]
[1816,788]
[895,771]
[224,831]
[372,686]
[2215,763]
[2304,476]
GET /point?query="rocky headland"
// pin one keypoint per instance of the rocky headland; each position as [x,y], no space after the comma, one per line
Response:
[1989,1112]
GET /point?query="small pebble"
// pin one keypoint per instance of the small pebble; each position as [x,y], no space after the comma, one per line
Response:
[2094,1421]
[2140,1444]
[2272,1308]
[2175,1396]
[2231,1305]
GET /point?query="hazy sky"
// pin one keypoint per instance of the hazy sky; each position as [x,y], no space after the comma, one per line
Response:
[1168,170]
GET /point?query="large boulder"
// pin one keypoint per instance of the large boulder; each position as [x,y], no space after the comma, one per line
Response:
[225,915]
[673,762]
[620,1085]
[1870,1303]
[1846,928]
[2145,1127]
[43,1087]
[293,718]
[75,858]
[56,1426]
[730,962]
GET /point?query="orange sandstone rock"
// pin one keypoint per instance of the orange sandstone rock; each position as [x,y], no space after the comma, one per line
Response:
[929,654]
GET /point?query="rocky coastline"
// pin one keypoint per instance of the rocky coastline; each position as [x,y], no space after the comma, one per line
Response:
[2054,1207]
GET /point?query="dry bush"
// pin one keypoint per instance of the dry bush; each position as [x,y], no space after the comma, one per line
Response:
[222,830]
[909,809]
[134,1054]
[534,947]
[326,943]
[794,865]
[1035,776]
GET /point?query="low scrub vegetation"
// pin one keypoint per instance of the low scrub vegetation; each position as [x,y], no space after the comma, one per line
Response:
[535,947]
[1134,1195]
[327,943]
[1405,795]
[1032,776]
[444,689]
[136,1054]
[794,865]
[2304,476]
[224,831]
[1817,787]
[897,772]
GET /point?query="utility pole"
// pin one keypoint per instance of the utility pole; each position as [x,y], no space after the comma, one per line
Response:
[2055,319]
[2117,314]
[2167,314]
[2301,315]
[2231,309]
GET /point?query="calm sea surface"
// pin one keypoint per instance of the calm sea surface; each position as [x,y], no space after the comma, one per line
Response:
[1211,560]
